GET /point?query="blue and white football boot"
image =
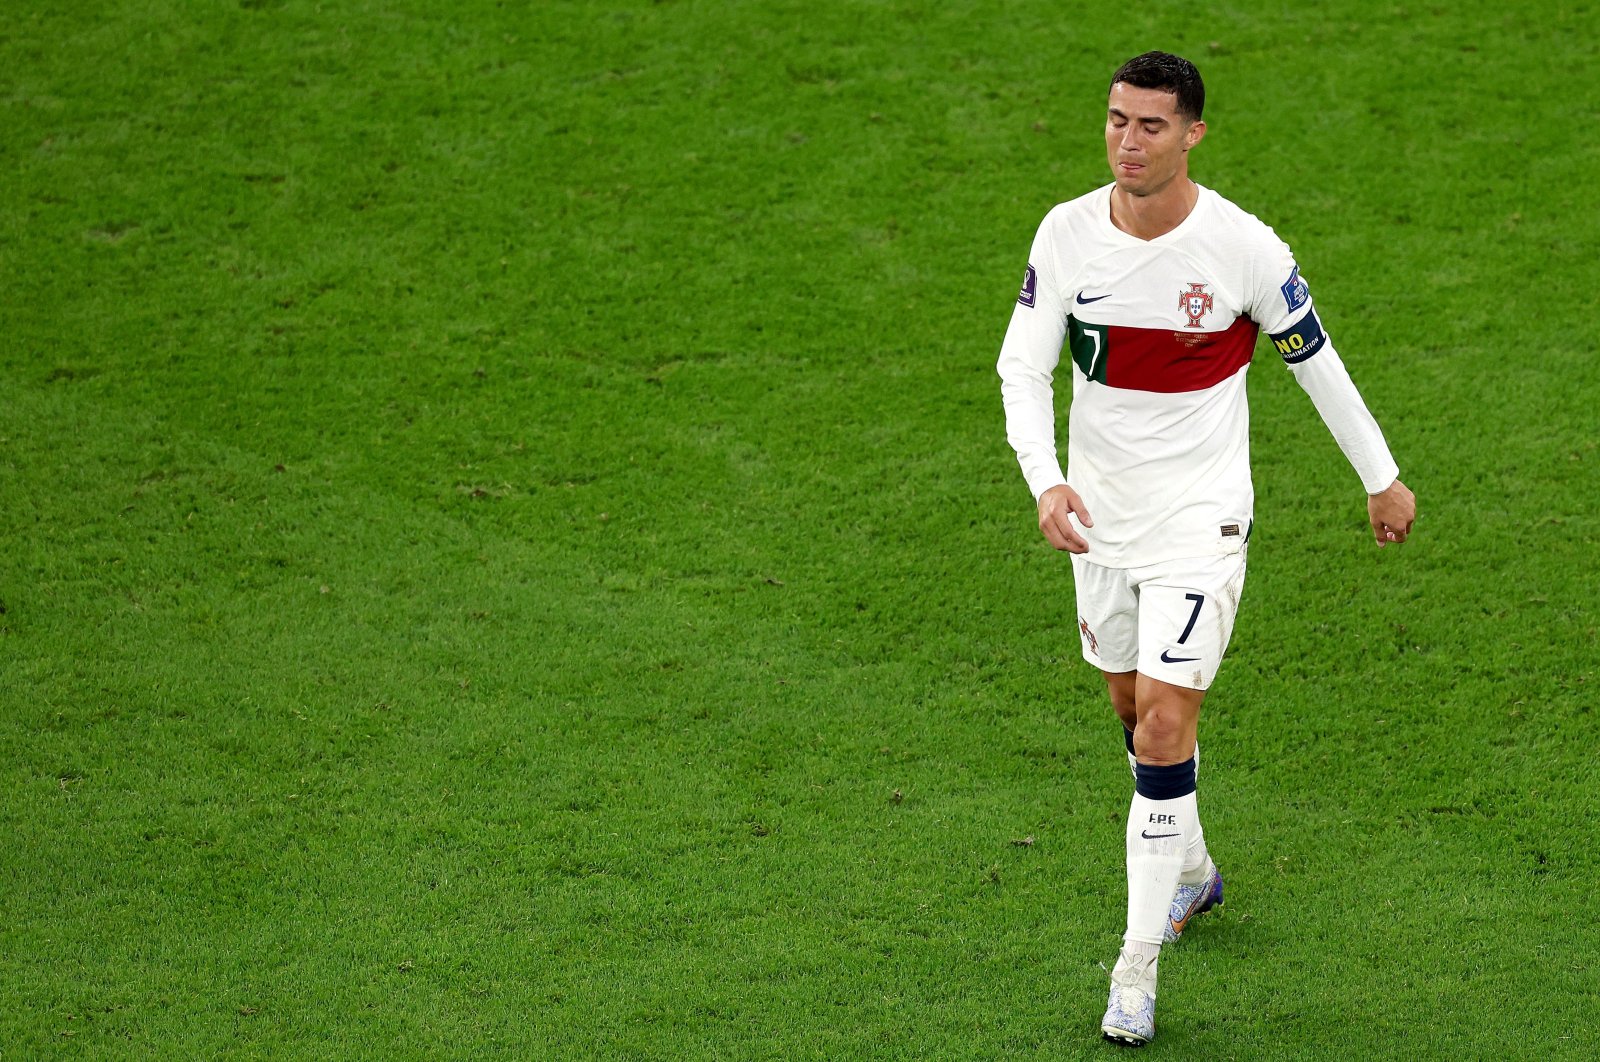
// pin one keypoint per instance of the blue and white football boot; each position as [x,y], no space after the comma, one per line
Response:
[1130,1016]
[1191,900]
[1131,1012]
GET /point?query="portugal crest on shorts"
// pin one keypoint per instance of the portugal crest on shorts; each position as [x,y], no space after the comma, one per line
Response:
[1083,626]
[1196,303]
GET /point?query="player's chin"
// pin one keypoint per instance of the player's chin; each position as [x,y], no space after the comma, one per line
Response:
[1129,178]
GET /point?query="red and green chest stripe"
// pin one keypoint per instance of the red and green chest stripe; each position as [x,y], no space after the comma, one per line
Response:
[1172,361]
[1159,359]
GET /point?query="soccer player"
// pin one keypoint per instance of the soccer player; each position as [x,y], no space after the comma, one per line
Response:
[1158,287]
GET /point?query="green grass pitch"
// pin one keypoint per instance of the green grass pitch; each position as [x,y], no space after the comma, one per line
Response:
[509,548]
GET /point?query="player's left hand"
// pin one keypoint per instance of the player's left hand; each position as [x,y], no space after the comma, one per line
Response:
[1392,511]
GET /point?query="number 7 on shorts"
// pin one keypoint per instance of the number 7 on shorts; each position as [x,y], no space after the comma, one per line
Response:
[1198,599]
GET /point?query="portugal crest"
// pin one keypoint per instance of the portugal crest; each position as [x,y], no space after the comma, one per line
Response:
[1196,303]
[1094,646]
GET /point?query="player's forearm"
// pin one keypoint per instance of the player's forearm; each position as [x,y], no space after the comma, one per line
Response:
[1325,380]
[1027,364]
[1031,431]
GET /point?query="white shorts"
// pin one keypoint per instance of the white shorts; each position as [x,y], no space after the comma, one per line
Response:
[1170,621]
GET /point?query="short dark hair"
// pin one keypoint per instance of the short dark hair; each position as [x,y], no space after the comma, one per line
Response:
[1169,73]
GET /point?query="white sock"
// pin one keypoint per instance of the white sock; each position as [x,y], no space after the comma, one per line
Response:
[1196,860]
[1136,965]
[1158,832]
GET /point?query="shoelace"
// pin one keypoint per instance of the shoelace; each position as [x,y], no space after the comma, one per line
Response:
[1131,999]
[1132,974]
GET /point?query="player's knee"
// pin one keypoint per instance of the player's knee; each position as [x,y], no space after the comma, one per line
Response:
[1163,738]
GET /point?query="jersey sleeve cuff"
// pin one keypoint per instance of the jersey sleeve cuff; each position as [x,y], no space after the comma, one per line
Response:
[1377,482]
[1043,479]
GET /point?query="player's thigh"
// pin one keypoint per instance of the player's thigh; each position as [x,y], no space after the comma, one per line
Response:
[1186,613]
[1108,615]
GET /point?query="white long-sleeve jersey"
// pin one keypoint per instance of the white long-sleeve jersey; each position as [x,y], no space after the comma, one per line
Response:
[1160,334]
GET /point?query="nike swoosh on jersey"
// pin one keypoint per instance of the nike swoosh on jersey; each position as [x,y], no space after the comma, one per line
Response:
[1084,302]
[1168,658]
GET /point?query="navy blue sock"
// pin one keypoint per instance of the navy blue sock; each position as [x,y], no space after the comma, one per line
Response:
[1164,783]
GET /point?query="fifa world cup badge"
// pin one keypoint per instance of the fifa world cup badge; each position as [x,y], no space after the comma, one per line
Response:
[1196,302]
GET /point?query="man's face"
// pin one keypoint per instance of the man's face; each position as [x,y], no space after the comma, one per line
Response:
[1146,140]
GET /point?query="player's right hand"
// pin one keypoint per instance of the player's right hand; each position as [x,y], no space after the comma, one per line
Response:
[1391,512]
[1055,505]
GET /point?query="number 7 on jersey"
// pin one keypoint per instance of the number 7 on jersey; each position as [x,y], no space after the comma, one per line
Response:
[1088,345]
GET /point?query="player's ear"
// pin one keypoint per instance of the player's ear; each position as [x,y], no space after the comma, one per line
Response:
[1192,135]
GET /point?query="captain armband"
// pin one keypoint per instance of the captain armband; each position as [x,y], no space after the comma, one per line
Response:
[1301,340]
